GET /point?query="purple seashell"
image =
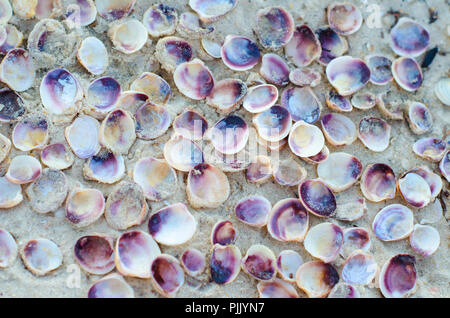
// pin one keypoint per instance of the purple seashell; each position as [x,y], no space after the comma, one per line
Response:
[11,105]
[378,182]
[102,94]
[276,289]
[414,189]
[83,12]
[302,104]
[347,74]
[223,233]
[419,117]
[432,149]
[152,121]
[274,69]
[160,20]
[225,263]
[95,254]
[337,102]
[190,124]
[305,77]
[240,53]
[260,98]
[398,277]
[227,94]
[288,221]
[304,47]
[380,69]
[194,79]
[344,18]
[374,133]
[355,238]
[9,249]
[409,38]
[316,278]
[260,263]
[407,73]
[324,241]
[172,51]
[338,129]
[317,198]
[273,124]
[193,262]
[212,10]
[333,45]
[392,223]
[253,210]
[274,27]
[105,167]
[167,275]
[229,135]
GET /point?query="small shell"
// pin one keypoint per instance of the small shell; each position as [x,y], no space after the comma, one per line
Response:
[398,277]
[17,70]
[212,10]
[57,156]
[125,206]
[172,51]
[23,169]
[111,286]
[190,124]
[105,167]
[193,262]
[117,131]
[10,194]
[114,9]
[260,170]
[274,69]
[154,86]
[340,171]
[324,241]
[349,211]
[424,240]
[316,278]
[11,105]
[260,263]
[167,275]
[47,36]
[152,121]
[50,181]
[84,206]
[227,95]
[355,238]
[211,48]
[13,39]
[128,37]
[92,54]
[288,262]
[240,53]
[82,136]
[432,149]
[260,98]
[304,47]
[333,45]
[134,254]
[172,225]
[82,13]
[32,132]
[374,133]
[419,117]
[8,252]
[378,182]
[320,157]
[288,172]
[441,89]
[225,263]
[338,129]
[380,69]
[302,104]
[274,27]
[95,254]
[392,223]
[414,189]
[273,124]
[288,221]
[407,73]
[229,163]
[317,198]
[253,210]
[131,101]
[347,74]
[344,290]
[364,100]
[305,77]
[409,38]
[6,12]
[276,289]
[344,18]
[337,102]
[433,180]
[182,154]
[41,256]
[444,166]
[194,79]
[160,20]
[102,96]
[223,233]
[390,106]
[305,140]
[207,187]
[359,269]
[229,135]
[190,26]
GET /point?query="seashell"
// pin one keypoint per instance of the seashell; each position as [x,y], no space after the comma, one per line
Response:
[11,105]
[13,39]
[160,20]
[419,117]
[272,146]
[380,69]
[274,27]
[288,261]
[274,69]
[320,157]
[223,233]
[240,53]
[41,256]
[10,195]
[167,275]
[392,223]
[260,263]
[288,172]
[273,124]
[229,135]
[131,101]
[193,262]
[61,93]
[317,198]
[190,26]
[338,129]
[305,77]
[444,166]
[50,181]
[304,47]
[8,253]
[441,89]
[48,9]
[409,38]
[128,37]
[359,269]
[82,13]
[344,290]
[378,182]
[102,95]
[202,194]
[84,206]
[105,167]
[433,180]
[93,56]
[260,98]
[152,121]
[316,278]
[337,102]
[6,12]
[305,140]
[182,154]
[190,124]
[82,136]
[424,240]
[432,149]
[172,51]
[302,104]
[212,10]
[23,169]
[211,48]
[125,206]
[398,277]
[364,100]
[390,106]
[351,210]
[154,86]
[25,9]
[324,241]
[194,79]
[227,94]
[117,131]
[95,254]
[347,74]
[253,210]
[30,133]
[407,73]
[172,225]
[225,263]
[288,221]
[276,289]
[333,45]
[355,239]
[374,133]
[17,70]
[260,170]
[111,286]
[229,163]
[114,9]
[414,189]
[344,18]
[340,171]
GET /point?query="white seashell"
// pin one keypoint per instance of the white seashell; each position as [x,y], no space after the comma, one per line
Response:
[340,171]
[17,70]
[276,289]
[117,131]
[324,241]
[260,263]
[442,90]
[8,252]
[182,154]
[160,20]
[305,140]
[84,206]
[92,54]
[10,194]
[5,147]
[111,286]
[31,133]
[424,240]
[359,269]
[393,222]
[82,136]
[23,169]
[41,256]
[288,262]
[128,37]
[57,156]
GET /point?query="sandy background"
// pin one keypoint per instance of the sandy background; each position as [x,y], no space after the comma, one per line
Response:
[25,224]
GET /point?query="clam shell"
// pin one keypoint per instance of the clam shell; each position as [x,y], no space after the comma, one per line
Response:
[152,121]
[424,240]
[333,45]
[304,47]
[41,256]
[432,149]
[302,104]
[95,254]
[378,182]
[407,73]
[339,130]
[380,69]
[225,263]
[374,133]
[392,223]
[212,10]
[398,277]
[349,211]
[160,20]
[13,39]
[344,18]
[193,262]
[441,89]
[32,132]
[128,37]
[274,27]
[57,156]
[229,135]
[340,171]
[419,117]
[260,263]
[190,124]
[316,278]
[344,290]
[105,167]
[414,189]
[359,269]
[93,56]
[320,157]
[223,233]
[82,13]
[305,140]
[154,86]
[211,48]
[11,105]
[355,239]
[240,53]
[276,289]
[444,166]
[172,51]
[288,172]
[23,169]
[10,194]
[274,69]
[227,95]
[324,241]
[17,70]
[84,206]
[117,131]
[260,170]
[8,252]
[102,96]
[47,36]
[347,74]
[167,275]
[305,77]
[317,198]
[114,9]
[409,38]
[131,101]
[190,26]
[182,154]
[260,98]
[111,286]
[273,124]
[433,180]
[288,262]
[288,221]
[82,136]
[337,102]
[364,100]
[194,79]
[253,210]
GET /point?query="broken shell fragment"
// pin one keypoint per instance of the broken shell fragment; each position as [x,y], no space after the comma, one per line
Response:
[364,100]
[102,95]
[398,277]
[240,53]
[333,45]
[409,38]
[160,20]
[194,79]
[378,182]
[172,225]
[105,167]
[117,131]
[229,135]
[419,117]
[348,211]
[207,186]
[8,252]
[442,91]
[82,136]
[260,98]
[211,48]
[392,223]
[13,39]
[10,194]
[302,104]
[152,121]
[182,154]
[128,37]
[414,189]
[337,102]
[320,157]
[95,254]
[17,70]
[84,206]
[424,240]
[359,269]
[432,149]
[305,140]
[212,10]
[374,133]
[193,262]
[347,74]
[344,18]
[305,77]
[316,278]
[260,263]
[380,69]
[92,54]
[114,9]
[32,132]
[41,256]
[444,166]
[82,13]
[23,169]
[227,94]
[288,262]
[274,69]
[304,47]
[317,198]
[289,172]
[167,275]
[154,86]
[324,241]
[273,124]
[253,210]
[274,27]
[259,170]
[288,221]
[190,26]
[11,105]
[225,263]
[407,73]
[338,129]
[111,286]
[172,51]
[340,171]
[134,254]
[344,290]
[276,289]
[223,233]
[190,124]
[355,238]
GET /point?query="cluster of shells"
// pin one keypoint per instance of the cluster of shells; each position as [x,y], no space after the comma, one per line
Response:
[103,120]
